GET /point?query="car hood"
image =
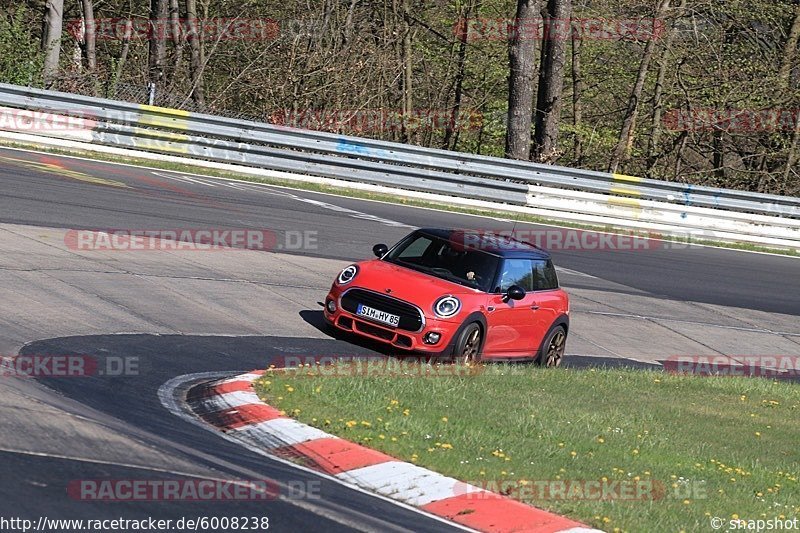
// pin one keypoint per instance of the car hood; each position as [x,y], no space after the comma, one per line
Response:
[406,284]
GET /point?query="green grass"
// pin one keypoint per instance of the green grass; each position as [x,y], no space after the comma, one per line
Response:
[720,446]
[393,199]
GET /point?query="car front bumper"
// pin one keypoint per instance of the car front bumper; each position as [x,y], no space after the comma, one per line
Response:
[411,341]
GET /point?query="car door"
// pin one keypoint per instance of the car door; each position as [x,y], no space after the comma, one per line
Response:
[547,301]
[510,324]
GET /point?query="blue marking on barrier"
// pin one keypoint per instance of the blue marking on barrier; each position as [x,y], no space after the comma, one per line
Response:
[349,148]
[687,195]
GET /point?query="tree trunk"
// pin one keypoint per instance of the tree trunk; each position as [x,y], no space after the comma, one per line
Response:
[450,131]
[790,50]
[522,70]
[177,35]
[577,92]
[787,65]
[196,53]
[157,50]
[51,39]
[123,54]
[622,149]
[89,35]
[408,102]
[551,81]
[658,103]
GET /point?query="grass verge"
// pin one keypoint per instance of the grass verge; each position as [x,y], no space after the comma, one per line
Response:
[709,446]
[393,199]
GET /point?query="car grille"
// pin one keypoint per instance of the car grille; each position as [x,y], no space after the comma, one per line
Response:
[410,316]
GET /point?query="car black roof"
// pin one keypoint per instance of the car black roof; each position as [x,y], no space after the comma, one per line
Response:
[493,242]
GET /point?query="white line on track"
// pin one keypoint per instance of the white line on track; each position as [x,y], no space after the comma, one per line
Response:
[264,189]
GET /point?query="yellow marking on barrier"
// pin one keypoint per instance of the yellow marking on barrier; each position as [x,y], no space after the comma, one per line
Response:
[626,202]
[622,191]
[65,172]
[629,179]
[155,116]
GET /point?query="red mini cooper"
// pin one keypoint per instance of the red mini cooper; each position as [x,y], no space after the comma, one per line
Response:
[455,294]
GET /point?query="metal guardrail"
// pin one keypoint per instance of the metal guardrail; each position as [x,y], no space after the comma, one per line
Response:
[370,161]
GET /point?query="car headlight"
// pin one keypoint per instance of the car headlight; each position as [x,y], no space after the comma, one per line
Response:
[347,275]
[446,306]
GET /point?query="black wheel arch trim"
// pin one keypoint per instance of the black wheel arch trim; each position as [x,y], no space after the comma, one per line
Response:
[561,320]
[475,316]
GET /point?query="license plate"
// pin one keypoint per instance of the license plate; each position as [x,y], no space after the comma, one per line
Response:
[378,316]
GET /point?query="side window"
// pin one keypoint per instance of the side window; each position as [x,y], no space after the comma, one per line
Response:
[544,275]
[516,272]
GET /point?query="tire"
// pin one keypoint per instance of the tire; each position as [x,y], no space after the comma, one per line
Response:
[467,349]
[553,347]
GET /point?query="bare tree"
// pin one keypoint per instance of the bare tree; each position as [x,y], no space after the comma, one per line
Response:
[89,35]
[51,38]
[658,95]
[577,92]
[177,34]
[196,61]
[158,44]
[522,71]
[123,53]
[408,102]
[622,149]
[785,75]
[551,81]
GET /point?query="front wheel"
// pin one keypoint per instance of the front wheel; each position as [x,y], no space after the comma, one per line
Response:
[553,348]
[468,347]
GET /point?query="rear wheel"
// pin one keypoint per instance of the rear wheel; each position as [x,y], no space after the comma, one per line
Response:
[468,346]
[553,348]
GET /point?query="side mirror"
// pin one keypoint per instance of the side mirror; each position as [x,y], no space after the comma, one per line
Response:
[514,292]
[380,250]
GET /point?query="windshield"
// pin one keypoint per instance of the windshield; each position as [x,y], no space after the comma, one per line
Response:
[446,260]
